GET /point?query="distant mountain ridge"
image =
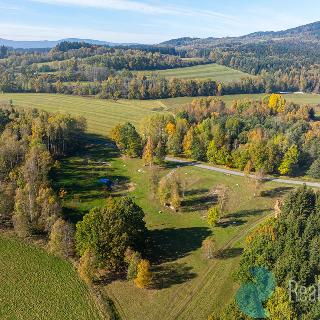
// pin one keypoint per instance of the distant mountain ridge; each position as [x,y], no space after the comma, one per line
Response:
[310,32]
[43,44]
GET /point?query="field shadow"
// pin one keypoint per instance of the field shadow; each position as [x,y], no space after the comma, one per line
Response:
[80,174]
[165,245]
[229,253]
[276,192]
[239,218]
[166,276]
[175,165]
[198,199]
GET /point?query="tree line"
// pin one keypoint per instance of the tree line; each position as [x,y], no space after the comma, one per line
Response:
[267,136]
[125,85]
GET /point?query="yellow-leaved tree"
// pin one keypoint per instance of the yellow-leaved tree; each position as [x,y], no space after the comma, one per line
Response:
[170,128]
[187,142]
[277,103]
[148,153]
[144,277]
[219,89]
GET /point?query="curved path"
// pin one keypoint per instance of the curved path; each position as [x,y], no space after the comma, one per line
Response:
[241,174]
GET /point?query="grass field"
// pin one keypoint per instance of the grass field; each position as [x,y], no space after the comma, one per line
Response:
[191,287]
[208,71]
[34,285]
[103,115]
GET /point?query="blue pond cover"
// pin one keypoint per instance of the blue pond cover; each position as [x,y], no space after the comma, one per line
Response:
[106,182]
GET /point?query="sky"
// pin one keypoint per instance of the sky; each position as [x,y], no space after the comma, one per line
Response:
[149,21]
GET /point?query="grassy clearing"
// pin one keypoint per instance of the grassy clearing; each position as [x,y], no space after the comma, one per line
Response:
[191,287]
[188,286]
[103,115]
[35,285]
[208,71]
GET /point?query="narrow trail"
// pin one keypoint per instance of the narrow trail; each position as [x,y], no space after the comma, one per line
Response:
[241,174]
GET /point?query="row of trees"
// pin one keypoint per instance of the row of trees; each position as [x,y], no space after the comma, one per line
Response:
[70,53]
[107,83]
[124,85]
[270,135]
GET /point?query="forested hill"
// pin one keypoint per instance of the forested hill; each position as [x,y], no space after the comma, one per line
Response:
[304,33]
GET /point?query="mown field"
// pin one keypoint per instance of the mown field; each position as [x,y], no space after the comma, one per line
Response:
[37,286]
[208,71]
[103,115]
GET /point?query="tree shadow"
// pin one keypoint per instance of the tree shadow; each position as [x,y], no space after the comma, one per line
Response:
[109,277]
[165,245]
[175,165]
[195,192]
[229,253]
[166,276]
[73,215]
[276,192]
[231,223]
[199,199]
[238,218]
[79,175]
[245,213]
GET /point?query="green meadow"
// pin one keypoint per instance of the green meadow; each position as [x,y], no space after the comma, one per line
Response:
[212,71]
[35,285]
[103,115]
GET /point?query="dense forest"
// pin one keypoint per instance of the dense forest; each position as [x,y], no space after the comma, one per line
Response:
[288,66]
[30,142]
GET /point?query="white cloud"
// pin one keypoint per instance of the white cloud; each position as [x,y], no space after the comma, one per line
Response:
[141,7]
[126,5]
[8,8]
